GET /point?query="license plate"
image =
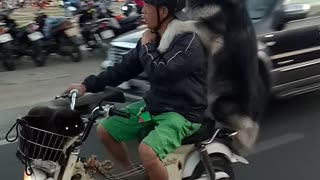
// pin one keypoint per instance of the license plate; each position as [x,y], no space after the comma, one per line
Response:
[71,32]
[5,38]
[107,34]
[35,36]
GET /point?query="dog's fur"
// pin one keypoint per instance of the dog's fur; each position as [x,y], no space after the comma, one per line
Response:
[56,120]
[226,31]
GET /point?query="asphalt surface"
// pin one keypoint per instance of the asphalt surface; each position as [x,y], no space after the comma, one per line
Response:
[287,148]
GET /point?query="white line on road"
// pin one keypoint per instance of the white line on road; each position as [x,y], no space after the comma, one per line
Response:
[5,142]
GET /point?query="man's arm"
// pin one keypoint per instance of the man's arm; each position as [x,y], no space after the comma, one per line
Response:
[127,69]
[183,58]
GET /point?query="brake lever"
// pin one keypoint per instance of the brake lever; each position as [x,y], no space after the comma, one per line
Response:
[61,96]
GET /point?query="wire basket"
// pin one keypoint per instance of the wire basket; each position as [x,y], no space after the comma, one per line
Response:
[34,143]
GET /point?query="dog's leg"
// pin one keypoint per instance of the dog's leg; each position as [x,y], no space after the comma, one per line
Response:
[248,129]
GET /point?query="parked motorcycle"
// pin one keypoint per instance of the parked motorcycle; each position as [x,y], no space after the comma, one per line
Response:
[132,8]
[61,36]
[129,9]
[27,40]
[6,48]
[99,33]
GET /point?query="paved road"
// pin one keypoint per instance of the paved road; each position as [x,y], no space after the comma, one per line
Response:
[287,149]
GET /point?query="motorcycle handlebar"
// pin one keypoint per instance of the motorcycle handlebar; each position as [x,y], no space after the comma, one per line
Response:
[71,96]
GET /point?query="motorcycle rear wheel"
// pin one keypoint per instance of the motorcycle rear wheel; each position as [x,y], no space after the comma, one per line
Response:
[7,55]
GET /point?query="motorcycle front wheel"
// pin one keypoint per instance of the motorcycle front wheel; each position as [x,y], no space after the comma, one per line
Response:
[220,164]
[38,54]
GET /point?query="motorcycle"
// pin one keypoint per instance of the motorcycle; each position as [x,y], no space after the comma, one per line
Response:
[99,33]
[129,9]
[206,158]
[28,40]
[132,8]
[61,36]
[6,48]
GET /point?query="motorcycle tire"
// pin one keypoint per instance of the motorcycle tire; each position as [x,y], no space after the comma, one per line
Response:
[220,164]
[38,54]
[8,59]
[76,55]
[72,48]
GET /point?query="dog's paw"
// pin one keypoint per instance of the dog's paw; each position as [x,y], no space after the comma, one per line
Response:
[248,130]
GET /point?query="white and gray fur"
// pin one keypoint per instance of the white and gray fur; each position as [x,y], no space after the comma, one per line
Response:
[214,42]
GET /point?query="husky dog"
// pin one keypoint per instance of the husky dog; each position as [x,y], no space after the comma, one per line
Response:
[236,94]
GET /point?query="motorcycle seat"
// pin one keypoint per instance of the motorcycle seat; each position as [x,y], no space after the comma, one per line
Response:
[205,132]
[26,24]
[103,19]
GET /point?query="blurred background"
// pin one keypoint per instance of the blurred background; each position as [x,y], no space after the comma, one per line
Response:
[46,45]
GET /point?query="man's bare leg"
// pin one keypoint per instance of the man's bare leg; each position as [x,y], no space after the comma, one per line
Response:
[154,167]
[117,150]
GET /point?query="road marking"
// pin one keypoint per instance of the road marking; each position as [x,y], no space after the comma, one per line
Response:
[5,142]
[273,143]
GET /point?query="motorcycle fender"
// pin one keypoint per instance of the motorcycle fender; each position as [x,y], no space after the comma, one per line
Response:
[214,148]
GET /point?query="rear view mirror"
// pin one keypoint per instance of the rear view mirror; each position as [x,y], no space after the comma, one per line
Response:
[296,11]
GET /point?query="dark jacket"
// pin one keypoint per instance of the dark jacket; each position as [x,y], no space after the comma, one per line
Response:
[177,77]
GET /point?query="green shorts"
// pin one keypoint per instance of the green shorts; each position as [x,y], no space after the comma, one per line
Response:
[170,128]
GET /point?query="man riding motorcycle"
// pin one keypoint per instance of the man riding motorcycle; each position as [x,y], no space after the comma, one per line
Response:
[176,102]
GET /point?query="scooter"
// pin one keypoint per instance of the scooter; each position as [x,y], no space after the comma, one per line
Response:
[197,159]
[129,9]
[6,48]
[98,33]
[61,36]
[28,41]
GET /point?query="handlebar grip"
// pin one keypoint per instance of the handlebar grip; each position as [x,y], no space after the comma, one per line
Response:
[117,112]
[74,91]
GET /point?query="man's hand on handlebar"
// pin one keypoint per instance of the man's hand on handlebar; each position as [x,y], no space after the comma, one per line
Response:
[80,87]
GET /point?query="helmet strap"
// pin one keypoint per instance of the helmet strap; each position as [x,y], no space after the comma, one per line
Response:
[159,22]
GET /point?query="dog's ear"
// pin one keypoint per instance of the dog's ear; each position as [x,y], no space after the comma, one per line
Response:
[39,116]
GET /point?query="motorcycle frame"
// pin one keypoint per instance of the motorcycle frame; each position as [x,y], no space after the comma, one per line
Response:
[179,164]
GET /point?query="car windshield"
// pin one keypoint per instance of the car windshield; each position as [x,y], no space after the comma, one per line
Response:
[259,8]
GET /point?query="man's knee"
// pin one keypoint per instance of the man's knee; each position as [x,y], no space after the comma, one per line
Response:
[147,155]
[103,135]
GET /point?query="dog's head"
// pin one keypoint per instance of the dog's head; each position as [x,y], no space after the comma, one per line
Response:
[39,117]
[68,122]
